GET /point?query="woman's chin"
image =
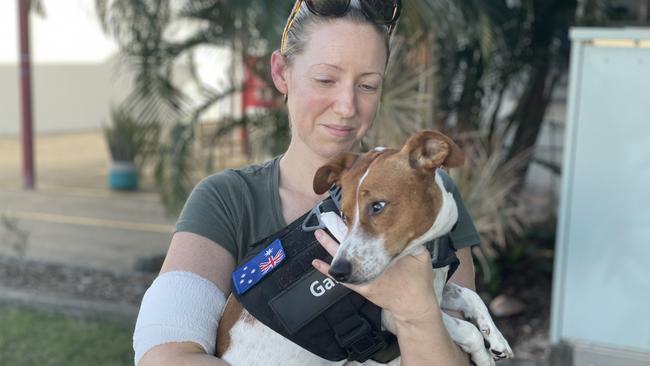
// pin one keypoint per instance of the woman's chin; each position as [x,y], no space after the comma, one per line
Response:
[330,150]
[326,146]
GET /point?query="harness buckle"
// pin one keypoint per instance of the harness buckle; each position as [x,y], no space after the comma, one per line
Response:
[331,204]
[359,340]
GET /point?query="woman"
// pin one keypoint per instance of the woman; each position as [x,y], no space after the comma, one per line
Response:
[330,68]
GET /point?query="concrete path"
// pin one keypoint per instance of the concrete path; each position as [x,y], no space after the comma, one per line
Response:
[72,217]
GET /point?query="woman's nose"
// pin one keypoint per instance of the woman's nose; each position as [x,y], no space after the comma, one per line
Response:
[344,105]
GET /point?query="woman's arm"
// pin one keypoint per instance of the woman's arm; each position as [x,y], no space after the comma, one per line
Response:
[192,253]
[464,276]
[422,336]
[424,340]
[180,353]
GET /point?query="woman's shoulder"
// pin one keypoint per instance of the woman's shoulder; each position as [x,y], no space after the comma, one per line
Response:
[265,169]
[239,178]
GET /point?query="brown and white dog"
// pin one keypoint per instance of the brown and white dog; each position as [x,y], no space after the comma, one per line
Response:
[393,202]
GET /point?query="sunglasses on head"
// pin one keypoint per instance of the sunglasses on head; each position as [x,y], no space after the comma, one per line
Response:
[385,12]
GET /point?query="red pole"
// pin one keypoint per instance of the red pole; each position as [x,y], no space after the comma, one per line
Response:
[26,94]
[246,101]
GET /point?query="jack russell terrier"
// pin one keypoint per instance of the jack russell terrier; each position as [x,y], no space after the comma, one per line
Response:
[393,202]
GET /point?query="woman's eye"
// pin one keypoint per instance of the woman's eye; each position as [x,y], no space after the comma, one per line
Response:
[325,81]
[369,87]
[377,207]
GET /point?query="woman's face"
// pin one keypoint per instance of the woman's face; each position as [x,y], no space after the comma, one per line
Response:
[334,86]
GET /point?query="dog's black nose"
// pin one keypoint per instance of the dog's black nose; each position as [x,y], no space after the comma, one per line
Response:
[340,270]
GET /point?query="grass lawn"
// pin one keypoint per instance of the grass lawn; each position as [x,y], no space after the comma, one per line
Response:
[29,337]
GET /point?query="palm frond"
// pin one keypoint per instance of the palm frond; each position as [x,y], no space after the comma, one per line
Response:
[488,187]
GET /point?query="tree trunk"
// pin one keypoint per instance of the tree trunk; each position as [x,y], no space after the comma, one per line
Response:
[469,104]
[530,114]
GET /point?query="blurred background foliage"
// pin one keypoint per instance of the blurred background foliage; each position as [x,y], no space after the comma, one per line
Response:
[131,140]
[454,64]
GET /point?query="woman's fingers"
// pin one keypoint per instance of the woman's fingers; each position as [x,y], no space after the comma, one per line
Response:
[321,266]
[330,245]
[327,242]
[324,268]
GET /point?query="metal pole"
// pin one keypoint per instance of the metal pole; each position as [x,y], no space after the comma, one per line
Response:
[26,94]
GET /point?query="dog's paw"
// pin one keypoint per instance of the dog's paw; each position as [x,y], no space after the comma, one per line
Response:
[481,358]
[496,343]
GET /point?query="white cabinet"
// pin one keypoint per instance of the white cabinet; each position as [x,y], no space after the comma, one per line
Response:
[601,289]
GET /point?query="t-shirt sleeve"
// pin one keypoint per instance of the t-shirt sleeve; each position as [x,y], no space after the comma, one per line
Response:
[464,234]
[213,210]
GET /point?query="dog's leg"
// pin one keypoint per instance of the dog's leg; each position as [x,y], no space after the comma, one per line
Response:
[469,339]
[462,299]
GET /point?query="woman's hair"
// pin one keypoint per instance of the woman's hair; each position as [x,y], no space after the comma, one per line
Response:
[299,32]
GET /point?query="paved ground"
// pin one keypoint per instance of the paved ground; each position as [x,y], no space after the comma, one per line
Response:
[72,217]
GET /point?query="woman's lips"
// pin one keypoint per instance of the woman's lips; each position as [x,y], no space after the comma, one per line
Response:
[338,131]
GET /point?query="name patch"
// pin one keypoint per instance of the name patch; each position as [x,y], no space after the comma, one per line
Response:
[306,299]
[318,288]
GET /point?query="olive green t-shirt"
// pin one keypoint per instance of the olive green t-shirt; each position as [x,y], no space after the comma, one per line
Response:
[239,207]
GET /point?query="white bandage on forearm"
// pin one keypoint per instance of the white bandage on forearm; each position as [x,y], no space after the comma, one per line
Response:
[178,307]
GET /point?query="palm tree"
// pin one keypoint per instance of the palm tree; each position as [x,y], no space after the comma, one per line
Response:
[456,62]
[155,37]
[485,50]
[453,65]
[155,34]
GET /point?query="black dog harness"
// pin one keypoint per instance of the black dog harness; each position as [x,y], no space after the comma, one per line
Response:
[277,284]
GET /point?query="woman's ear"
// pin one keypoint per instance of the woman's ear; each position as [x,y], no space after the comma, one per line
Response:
[279,72]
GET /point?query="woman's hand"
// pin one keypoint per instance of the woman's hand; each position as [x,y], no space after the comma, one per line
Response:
[405,288]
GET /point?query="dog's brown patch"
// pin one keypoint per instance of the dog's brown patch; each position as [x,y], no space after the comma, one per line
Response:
[412,198]
[231,314]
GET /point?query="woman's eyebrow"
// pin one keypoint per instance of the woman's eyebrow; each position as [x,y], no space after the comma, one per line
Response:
[341,69]
[327,65]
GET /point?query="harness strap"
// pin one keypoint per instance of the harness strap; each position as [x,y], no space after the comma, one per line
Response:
[443,254]
[354,332]
[331,204]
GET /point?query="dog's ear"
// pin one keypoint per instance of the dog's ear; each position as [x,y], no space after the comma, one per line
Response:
[330,173]
[431,149]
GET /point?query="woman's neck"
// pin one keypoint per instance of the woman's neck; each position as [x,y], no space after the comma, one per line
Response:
[297,170]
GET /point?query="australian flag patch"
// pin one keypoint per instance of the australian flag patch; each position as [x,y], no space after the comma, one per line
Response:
[252,272]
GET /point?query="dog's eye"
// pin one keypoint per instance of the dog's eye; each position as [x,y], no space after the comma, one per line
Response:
[343,217]
[377,207]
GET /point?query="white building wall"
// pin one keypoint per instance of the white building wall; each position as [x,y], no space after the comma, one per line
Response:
[75,75]
[66,96]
